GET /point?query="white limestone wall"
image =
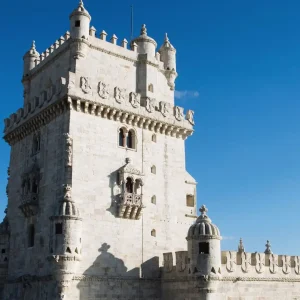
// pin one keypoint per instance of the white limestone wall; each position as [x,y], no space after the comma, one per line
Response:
[25,260]
[96,158]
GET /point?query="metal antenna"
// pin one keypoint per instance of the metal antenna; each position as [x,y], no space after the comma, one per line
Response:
[131,24]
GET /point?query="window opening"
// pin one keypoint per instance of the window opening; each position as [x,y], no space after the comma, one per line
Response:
[31,233]
[77,23]
[129,185]
[58,228]
[121,137]
[190,202]
[203,248]
[130,139]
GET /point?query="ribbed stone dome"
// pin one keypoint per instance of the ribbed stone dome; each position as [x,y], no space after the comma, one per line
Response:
[80,10]
[67,208]
[203,227]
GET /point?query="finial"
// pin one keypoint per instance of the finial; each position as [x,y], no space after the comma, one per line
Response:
[81,3]
[33,45]
[268,248]
[166,38]
[241,247]
[144,30]
[203,210]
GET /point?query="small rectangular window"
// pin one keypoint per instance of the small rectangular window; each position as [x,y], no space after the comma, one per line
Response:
[31,234]
[3,251]
[190,202]
[58,228]
[203,248]
[77,23]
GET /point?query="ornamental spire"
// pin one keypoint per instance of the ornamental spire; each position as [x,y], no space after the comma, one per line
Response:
[81,3]
[144,30]
[33,45]
[203,210]
[268,248]
[166,37]
[241,247]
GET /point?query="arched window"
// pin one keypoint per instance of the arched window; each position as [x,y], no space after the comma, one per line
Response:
[150,87]
[122,137]
[137,186]
[131,139]
[129,185]
[153,199]
[154,138]
[153,232]
[153,170]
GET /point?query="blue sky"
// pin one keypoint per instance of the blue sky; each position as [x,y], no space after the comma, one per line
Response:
[239,69]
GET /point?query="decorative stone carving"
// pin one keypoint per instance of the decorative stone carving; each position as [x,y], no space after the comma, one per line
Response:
[68,149]
[150,104]
[246,261]
[164,108]
[178,111]
[297,264]
[259,262]
[230,261]
[103,90]
[168,262]
[85,85]
[286,264]
[135,99]
[67,192]
[181,260]
[190,116]
[273,258]
[119,94]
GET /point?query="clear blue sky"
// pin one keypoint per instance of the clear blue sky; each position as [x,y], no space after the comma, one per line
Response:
[239,69]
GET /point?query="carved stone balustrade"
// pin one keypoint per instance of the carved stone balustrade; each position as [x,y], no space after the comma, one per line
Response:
[130,206]
[29,204]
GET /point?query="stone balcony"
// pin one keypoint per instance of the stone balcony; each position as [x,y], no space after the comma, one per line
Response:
[29,204]
[130,206]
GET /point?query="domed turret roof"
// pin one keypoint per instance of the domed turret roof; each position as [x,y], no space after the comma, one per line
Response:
[67,208]
[144,37]
[167,45]
[80,10]
[203,227]
[32,51]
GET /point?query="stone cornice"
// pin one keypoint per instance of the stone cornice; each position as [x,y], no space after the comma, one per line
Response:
[93,108]
[35,122]
[128,117]
[95,278]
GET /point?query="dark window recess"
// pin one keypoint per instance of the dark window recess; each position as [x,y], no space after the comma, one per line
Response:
[3,251]
[203,248]
[121,137]
[31,233]
[58,228]
[129,185]
[130,140]
[77,23]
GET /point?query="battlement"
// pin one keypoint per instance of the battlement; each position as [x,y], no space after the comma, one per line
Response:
[239,265]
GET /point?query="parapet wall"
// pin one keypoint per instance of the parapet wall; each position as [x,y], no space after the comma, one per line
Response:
[239,265]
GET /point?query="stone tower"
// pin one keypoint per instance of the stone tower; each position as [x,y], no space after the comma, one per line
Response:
[97,188]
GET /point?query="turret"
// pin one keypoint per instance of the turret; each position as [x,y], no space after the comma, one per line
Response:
[66,240]
[145,44]
[29,59]
[168,55]
[80,22]
[204,249]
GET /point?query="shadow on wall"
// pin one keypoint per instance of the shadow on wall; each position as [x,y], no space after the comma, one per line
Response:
[108,276]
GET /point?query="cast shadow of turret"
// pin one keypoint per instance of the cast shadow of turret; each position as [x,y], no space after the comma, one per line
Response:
[109,276]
